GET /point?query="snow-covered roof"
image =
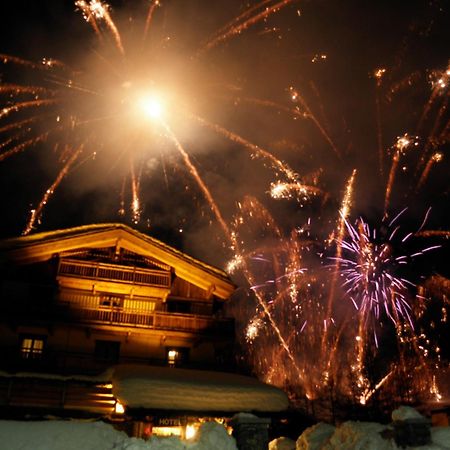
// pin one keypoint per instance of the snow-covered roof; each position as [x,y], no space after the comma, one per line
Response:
[167,388]
[104,377]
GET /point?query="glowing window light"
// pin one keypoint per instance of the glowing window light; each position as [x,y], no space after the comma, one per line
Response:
[172,357]
[32,348]
[191,431]
[166,431]
[119,408]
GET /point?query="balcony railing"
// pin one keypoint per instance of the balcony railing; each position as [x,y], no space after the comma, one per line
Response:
[82,307]
[114,272]
[154,320]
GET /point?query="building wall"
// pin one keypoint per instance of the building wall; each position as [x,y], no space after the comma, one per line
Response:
[69,322]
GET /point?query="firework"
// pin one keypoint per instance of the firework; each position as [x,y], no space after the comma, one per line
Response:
[326,294]
[343,213]
[117,103]
[403,144]
[368,271]
[436,158]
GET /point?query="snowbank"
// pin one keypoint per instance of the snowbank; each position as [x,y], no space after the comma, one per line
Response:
[58,435]
[406,413]
[282,443]
[78,435]
[194,390]
[313,438]
[355,435]
[358,435]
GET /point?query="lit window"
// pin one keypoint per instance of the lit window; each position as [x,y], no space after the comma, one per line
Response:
[111,301]
[172,357]
[32,347]
[191,431]
[177,356]
[119,408]
[166,431]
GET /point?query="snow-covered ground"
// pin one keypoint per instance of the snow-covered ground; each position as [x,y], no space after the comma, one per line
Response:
[355,435]
[79,435]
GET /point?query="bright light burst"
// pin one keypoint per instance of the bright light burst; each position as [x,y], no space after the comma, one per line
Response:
[151,106]
[142,96]
[126,79]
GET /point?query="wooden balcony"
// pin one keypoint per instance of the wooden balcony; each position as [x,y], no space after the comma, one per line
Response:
[83,307]
[102,271]
[113,277]
[137,312]
[154,320]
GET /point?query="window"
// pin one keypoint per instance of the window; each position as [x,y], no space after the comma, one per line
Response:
[176,356]
[172,356]
[107,351]
[183,307]
[111,301]
[32,347]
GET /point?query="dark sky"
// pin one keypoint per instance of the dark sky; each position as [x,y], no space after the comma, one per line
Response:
[326,50]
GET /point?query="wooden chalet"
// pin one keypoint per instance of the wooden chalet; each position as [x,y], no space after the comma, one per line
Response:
[78,301]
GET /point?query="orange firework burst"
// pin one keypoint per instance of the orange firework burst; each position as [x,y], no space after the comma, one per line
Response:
[125,98]
[240,120]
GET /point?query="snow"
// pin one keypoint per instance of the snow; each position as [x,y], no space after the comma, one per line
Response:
[406,413]
[90,435]
[282,443]
[441,436]
[104,377]
[354,435]
[194,390]
[53,435]
[213,436]
[76,435]
[313,438]
[358,435]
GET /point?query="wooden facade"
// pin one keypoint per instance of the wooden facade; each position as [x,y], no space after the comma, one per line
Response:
[75,302]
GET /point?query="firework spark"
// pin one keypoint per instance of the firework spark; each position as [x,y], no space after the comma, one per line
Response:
[368,269]
[403,144]
[104,106]
[436,158]
[138,99]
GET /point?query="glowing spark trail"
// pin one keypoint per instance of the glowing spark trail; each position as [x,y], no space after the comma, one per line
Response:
[199,180]
[378,75]
[258,151]
[343,216]
[287,190]
[403,143]
[305,113]
[437,157]
[298,98]
[239,28]
[154,4]
[36,213]
[96,10]
[23,146]
[232,239]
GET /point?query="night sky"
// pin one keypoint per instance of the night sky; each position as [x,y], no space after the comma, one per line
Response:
[327,51]
[305,96]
